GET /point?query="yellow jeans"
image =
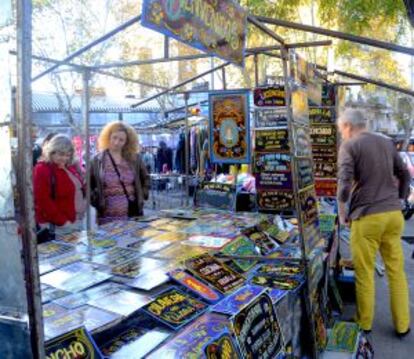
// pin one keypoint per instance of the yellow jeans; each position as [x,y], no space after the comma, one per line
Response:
[369,234]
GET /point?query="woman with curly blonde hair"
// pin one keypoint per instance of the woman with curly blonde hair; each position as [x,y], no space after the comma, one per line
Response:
[119,179]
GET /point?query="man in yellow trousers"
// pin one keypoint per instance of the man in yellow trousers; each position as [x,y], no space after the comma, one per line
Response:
[372,180]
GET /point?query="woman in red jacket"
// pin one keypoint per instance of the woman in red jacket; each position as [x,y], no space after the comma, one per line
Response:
[58,190]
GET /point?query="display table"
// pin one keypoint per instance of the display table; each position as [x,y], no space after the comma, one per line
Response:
[220,282]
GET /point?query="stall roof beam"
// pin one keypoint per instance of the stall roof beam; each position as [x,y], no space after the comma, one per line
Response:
[350,83]
[105,73]
[89,46]
[180,84]
[208,91]
[375,82]
[255,21]
[183,107]
[338,34]
[359,78]
[252,50]
[127,79]
[152,61]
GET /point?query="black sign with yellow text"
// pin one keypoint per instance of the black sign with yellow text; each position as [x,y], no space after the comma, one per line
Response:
[76,344]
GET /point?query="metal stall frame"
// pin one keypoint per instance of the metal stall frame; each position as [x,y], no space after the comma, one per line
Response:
[23,114]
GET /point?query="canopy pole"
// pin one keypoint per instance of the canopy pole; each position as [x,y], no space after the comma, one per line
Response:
[85,117]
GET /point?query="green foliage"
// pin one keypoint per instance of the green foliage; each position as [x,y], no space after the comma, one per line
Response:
[359,16]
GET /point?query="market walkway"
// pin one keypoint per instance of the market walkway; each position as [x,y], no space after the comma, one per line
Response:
[385,344]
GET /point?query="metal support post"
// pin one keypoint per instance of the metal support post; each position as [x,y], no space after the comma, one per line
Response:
[223,75]
[24,175]
[187,152]
[288,96]
[85,118]
[166,47]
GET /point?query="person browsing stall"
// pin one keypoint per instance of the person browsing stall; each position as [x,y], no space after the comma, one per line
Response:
[58,190]
[119,178]
[369,200]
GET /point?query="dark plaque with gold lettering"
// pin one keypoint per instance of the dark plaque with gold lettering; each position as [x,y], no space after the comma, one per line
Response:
[270,117]
[321,115]
[175,308]
[275,200]
[325,169]
[257,329]
[323,135]
[270,96]
[214,272]
[75,344]
[272,140]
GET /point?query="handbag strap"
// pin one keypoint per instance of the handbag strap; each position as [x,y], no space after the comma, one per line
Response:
[119,175]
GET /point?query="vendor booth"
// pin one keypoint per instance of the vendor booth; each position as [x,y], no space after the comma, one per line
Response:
[236,255]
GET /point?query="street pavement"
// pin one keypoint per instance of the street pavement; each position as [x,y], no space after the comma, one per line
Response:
[386,345]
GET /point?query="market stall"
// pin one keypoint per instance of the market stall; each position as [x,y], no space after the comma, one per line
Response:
[201,282]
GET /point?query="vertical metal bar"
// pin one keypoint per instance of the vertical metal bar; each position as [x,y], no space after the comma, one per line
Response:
[288,93]
[256,70]
[186,151]
[166,47]
[85,118]
[24,174]
[223,74]
[212,73]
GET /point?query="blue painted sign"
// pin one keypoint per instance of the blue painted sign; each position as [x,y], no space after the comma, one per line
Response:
[216,27]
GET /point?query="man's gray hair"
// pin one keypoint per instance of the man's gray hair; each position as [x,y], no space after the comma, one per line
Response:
[59,143]
[354,117]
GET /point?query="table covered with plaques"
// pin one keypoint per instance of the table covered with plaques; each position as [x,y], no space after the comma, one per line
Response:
[182,284]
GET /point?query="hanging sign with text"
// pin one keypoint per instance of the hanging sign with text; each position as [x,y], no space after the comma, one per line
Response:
[325,168]
[215,27]
[272,140]
[270,117]
[276,180]
[270,96]
[321,115]
[275,200]
[272,162]
[323,135]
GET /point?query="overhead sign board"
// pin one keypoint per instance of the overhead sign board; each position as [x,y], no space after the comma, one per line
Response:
[216,27]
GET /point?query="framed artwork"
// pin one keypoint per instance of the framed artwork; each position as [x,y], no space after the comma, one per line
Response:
[229,127]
